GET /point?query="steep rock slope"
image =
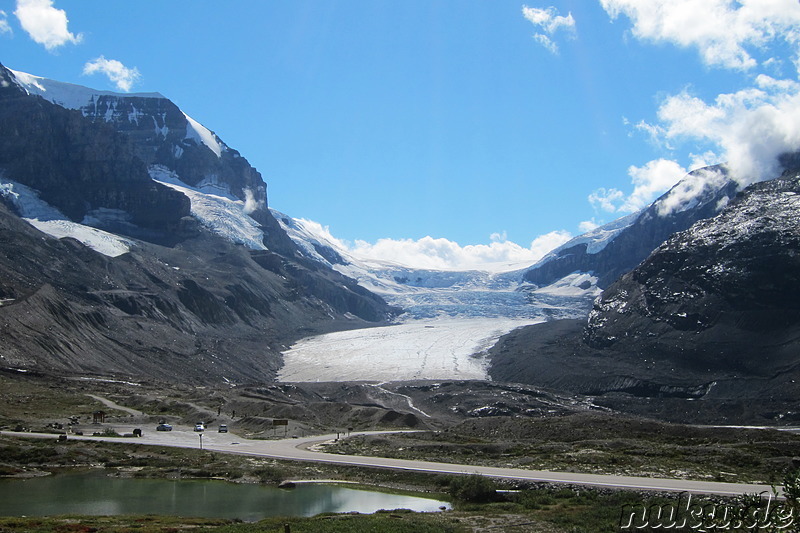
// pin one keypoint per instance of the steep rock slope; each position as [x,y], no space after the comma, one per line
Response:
[711,315]
[724,290]
[201,311]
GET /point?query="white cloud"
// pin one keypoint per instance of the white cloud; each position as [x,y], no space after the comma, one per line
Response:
[499,236]
[547,42]
[706,159]
[444,254]
[122,76]
[748,129]
[45,24]
[606,199]
[550,22]
[649,182]
[723,31]
[686,193]
[751,127]
[4,26]
[588,225]
[250,202]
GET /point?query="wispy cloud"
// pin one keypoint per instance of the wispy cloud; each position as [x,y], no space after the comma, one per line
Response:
[549,22]
[724,32]
[4,25]
[45,24]
[123,77]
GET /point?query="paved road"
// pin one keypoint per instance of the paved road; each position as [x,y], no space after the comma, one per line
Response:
[297,450]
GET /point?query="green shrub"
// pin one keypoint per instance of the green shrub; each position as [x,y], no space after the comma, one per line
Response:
[473,489]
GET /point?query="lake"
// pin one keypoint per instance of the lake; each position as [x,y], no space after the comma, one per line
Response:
[97,494]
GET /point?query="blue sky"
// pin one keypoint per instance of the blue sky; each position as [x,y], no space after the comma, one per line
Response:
[459,131]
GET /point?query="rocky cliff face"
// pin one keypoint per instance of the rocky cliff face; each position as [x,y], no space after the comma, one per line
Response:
[84,170]
[162,136]
[713,314]
[203,311]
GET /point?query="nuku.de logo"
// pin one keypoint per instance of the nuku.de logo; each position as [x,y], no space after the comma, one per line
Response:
[754,513]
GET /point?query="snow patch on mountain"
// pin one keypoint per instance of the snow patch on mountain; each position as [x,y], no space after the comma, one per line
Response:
[51,221]
[222,214]
[575,285]
[697,188]
[753,214]
[198,132]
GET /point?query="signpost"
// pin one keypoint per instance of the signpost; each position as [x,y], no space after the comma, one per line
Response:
[280,422]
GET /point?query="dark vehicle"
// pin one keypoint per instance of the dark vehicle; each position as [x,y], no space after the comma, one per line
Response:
[223,428]
[163,427]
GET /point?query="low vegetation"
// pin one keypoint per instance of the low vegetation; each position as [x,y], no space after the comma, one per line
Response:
[592,442]
[596,443]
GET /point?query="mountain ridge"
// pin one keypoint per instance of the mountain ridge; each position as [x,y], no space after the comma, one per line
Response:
[710,317]
[176,300]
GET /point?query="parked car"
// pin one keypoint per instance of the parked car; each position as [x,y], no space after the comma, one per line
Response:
[223,428]
[164,427]
[200,426]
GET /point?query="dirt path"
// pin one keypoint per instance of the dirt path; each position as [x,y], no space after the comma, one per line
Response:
[111,405]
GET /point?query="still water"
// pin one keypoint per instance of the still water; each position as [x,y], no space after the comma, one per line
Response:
[97,494]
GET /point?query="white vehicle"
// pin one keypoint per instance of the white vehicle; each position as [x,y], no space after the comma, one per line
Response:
[200,426]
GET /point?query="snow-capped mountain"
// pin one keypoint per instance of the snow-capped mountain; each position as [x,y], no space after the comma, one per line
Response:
[615,248]
[137,243]
[228,197]
[161,132]
[712,314]
[175,148]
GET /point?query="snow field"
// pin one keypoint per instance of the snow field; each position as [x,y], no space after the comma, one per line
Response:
[420,349]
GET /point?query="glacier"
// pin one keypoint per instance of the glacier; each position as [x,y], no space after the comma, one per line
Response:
[450,318]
